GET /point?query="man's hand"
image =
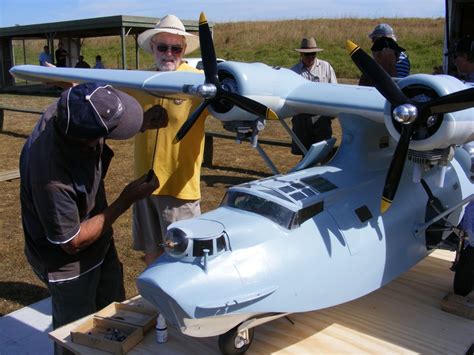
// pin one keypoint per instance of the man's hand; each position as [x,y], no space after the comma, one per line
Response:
[93,228]
[387,58]
[155,118]
[139,189]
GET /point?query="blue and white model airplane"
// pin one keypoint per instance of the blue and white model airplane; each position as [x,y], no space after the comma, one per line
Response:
[320,235]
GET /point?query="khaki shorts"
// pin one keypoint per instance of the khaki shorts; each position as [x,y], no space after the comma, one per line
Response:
[152,216]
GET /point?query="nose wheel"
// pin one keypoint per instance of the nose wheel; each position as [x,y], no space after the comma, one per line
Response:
[235,341]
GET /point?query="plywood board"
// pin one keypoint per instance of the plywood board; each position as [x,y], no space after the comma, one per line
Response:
[404,317]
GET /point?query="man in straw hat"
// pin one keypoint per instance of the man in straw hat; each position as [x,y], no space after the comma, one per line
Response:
[311,129]
[178,166]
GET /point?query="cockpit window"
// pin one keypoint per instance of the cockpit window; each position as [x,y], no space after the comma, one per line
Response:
[269,209]
[319,183]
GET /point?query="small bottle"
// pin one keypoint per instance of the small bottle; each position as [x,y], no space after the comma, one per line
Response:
[161,330]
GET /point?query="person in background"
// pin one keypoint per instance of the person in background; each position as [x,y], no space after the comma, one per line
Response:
[177,165]
[402,62]
[308,128]
[463,58]
[385,52]
[81,63]
[61,55]
[67,221]
[98,63]
[45,58]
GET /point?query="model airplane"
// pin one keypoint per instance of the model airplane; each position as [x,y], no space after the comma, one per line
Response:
[319,235]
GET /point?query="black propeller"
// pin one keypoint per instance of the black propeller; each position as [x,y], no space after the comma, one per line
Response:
[212,90]
[408,112]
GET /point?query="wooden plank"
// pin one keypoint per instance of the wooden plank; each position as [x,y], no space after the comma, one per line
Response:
[14,109]
[404,317]
[9,175]
[19,109]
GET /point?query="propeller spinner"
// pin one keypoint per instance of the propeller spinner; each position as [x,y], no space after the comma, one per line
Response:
[212,90]
[410,113]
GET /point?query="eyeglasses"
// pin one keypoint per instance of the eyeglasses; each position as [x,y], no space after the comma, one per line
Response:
[175,49]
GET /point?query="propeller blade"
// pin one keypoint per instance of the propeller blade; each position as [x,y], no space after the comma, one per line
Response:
[208,53]
[456,101]
[248,104]
[396,167]
[383,82]
[190,121]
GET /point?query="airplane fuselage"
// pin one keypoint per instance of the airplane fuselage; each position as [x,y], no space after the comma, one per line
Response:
[343,250]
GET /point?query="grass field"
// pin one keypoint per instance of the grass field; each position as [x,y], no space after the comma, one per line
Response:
[273,42]
[269,42]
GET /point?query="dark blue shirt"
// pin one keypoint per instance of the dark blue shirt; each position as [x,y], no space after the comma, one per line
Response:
[61,186]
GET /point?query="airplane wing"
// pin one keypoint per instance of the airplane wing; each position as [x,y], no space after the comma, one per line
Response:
[166,84]
[279,89]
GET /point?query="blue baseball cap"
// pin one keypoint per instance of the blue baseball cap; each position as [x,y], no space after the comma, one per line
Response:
[95,110]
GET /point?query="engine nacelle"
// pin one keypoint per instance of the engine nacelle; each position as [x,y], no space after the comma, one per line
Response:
[257,81]
[439,131]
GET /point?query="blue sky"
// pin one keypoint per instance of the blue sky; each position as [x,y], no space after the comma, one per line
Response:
[25,12]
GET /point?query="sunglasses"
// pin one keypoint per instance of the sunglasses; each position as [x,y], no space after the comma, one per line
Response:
[309,54]
[175,49]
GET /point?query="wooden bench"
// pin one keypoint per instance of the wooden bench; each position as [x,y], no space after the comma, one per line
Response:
[13,174]
[15,109]
[9,175]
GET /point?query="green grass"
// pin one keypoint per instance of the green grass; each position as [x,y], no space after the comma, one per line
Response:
[273,43]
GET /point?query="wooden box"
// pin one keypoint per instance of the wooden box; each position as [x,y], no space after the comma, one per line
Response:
[136,315]
[115,337]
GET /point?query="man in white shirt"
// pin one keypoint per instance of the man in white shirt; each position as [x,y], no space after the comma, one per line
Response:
[308,128]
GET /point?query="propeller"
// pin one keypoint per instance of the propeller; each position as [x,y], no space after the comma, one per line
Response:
[212,90]
[410,113]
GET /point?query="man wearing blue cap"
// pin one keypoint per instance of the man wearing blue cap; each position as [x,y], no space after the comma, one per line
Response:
[67,221]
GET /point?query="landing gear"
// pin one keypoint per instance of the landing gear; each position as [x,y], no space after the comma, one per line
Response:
[235,341]
[464,272]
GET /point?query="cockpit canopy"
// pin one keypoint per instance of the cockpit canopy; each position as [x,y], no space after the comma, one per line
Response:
[287,203]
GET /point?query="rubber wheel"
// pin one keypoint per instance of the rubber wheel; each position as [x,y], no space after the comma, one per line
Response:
[464,275]
[230,344]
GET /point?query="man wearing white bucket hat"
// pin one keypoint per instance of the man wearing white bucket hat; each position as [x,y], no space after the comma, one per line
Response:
[178,166]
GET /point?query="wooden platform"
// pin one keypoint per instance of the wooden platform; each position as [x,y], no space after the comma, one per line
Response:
[404,317]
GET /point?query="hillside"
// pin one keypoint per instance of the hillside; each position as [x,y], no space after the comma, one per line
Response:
[273,42]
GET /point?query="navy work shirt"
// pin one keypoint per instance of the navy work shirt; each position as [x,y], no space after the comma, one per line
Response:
[61,186]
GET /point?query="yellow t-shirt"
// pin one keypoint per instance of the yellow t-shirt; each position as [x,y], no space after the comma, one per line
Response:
[178,166]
